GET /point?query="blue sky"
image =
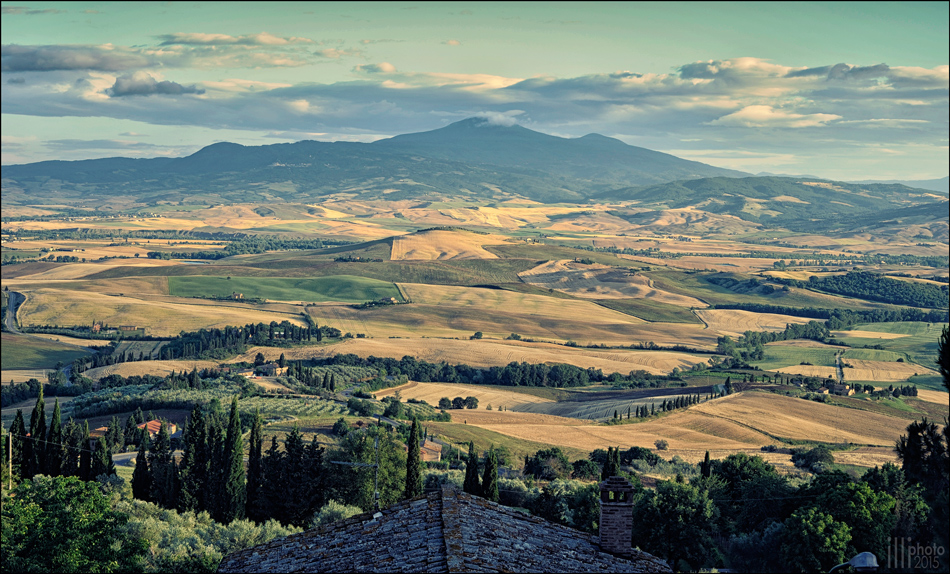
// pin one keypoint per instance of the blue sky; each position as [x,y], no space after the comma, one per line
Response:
[839,90]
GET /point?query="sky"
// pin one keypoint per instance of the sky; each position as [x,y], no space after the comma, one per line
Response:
[848,91]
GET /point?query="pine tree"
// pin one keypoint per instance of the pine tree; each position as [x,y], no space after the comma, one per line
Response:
[193,469]
[235,484]
[471,484]
[102,459]
[413,464]
[255,471]
[18,429]
[141,478]
[490,479]
[36,462]
[85,455]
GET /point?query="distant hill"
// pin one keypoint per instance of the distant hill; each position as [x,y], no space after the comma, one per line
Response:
[472,159]
[805,204]
[942,184]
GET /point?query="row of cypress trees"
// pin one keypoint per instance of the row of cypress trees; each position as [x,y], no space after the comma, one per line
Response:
[488,486]
[57,450]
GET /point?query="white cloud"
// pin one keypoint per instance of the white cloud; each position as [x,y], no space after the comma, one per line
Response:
[262,39]
[759,116]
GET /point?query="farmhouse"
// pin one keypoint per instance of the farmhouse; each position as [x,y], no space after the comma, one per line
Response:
[154,427]
[450,531]
[843,390]
[272,370]
[430,451]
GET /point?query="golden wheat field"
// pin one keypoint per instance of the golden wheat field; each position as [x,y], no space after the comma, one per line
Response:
[451,311]
[733,322]
[487,353]
[883,371]
[601,282]
[69,271]
[141,368]
[158,318]
[8,376]
[432,392]
[809,371]
[799,419]
[441,245]
[938,397]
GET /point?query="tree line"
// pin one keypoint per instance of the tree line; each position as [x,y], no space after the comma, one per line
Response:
[874,287]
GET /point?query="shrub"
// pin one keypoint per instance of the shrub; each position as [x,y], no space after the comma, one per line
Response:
[333,511]
[661,444]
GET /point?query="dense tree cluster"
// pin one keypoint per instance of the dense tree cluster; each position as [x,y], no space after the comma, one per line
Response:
[230,341]
[838,319]
[874,287]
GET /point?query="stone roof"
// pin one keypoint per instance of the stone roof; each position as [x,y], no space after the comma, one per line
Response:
[444,531]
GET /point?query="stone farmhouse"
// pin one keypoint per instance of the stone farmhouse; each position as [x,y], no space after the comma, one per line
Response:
[450,531]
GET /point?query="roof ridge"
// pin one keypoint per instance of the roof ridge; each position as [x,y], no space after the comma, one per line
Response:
[451,529]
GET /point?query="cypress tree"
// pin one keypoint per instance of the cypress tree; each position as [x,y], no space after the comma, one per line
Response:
[159,459]
[131,432]
[141,478]
[72,436]
[706,468]
[115,437]
[255,471]
[471,484]
[18,429]
[235,485]
[139,417]
[652,408]
[85,454]
[612,465]
[728,385]
[194,463]
[490,479]
[55,443]
[102,459]
[213,490]
[36,446]
[413,463]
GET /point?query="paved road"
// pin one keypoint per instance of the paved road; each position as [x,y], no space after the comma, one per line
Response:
[16,299]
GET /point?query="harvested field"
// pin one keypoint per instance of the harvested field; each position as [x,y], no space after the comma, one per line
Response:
[790,418]
[938,397]
[159,318]
[601,282]
[271,385]
[590,437]
[487,353]
[810,371]
[454,312]
[590,408]
[22,375]
[867,456]
[868,334]
[444,244]
[68,271]
[883,371]
[70,340]
[735,322]
[141,368]
[432,392]
[138,285]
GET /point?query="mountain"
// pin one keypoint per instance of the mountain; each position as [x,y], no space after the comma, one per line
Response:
[942,184]
[593,157]
[803,204]
[472,159]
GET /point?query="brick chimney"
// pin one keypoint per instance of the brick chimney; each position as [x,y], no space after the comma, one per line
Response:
[616,516]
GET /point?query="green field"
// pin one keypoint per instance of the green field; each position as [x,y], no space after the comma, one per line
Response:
[778,356]
[920,344]
[650,310]
[345,288]
[872,355]
[24,352]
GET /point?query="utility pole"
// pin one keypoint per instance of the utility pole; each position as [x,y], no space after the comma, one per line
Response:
[375,468]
